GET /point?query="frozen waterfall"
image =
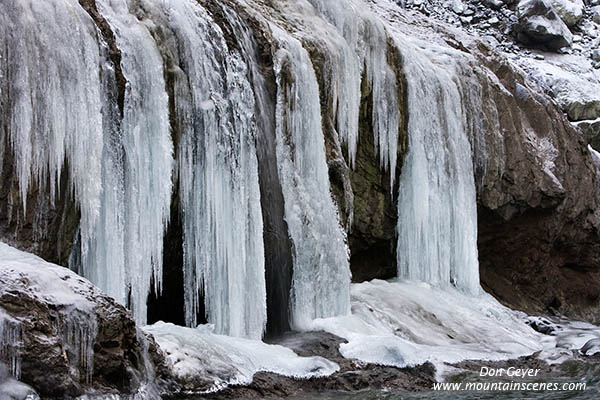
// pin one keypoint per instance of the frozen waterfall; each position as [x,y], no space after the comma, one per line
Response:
[321,278]
[187,130]
[437,212]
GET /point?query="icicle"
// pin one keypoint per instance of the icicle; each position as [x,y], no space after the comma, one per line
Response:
[437,221]
[52,112]
[127,250]
[10,342]
[218,172]
[363,51]
[321,278]
[79,334]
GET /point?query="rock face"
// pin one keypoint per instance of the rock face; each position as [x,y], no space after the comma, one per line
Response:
[538,205]
[68,338]
[540,24]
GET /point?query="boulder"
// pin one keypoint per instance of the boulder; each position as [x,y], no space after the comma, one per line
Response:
[570,11]
[61,335]
[595,14]
[591,132]
[572,81]
[539,24]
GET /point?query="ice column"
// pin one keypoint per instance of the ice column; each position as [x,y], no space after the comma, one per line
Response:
[321,278]
[437,221]
[218,172]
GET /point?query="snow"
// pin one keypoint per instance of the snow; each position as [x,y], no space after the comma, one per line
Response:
[22,272]
[404,323]
[225,360]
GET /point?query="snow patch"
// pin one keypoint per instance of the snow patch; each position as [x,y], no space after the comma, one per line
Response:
[223,360]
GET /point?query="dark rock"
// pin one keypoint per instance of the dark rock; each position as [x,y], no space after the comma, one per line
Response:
[541,325]
[537,204]
[60,316]
[591,132]
[539,24]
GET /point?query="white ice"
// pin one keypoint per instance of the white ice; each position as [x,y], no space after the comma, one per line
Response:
[321,277]
[224,360]
[217,170]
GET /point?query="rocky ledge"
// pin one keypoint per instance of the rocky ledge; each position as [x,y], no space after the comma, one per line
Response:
[352,376]
[63,337]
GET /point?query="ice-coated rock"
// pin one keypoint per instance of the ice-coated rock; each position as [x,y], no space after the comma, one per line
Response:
[591,347]
[65,336]
[539,24]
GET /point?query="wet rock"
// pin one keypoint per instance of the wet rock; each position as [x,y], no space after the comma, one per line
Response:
[541,325]
[539,24]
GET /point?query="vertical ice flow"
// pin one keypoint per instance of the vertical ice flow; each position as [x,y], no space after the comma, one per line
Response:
[321,277]
[362,54]
[51,102]
[437,215]
[218,173]
[135,214]
[10,340]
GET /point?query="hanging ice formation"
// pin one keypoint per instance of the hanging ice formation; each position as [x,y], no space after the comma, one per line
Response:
[437,214]
[321,278]
[189,116]
[10,340]
[217,170]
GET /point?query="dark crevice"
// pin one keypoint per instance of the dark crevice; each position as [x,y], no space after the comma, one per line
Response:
[168,305]
[114,52]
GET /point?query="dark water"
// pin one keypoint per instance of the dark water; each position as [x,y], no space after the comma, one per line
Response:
[568,372]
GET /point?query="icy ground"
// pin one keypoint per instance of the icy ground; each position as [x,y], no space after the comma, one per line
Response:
[393,323]
[396,323]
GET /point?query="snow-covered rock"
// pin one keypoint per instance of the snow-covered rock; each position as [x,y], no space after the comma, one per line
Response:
[540,24]
[206,362]
[572,81]
[570,11]
[60,335]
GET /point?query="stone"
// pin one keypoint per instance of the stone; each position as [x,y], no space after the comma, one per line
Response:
[539,24]
[458,7]
[495,4]
[595,14]
[570,11]
[591,132]
[44,302]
